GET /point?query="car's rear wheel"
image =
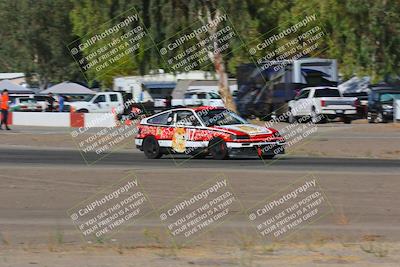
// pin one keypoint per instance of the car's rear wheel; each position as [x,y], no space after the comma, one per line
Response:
[218,149]
[291,118]
[347,120]
[151,148]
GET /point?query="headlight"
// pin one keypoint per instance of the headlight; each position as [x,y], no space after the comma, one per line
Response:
[386,106]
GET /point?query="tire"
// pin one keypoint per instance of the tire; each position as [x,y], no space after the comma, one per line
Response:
[371,118]
[218,149]
[151,148]
[292,119]
[380,118]
[347,120]
[314,117]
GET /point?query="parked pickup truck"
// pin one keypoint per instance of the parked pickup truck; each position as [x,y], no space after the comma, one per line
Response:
[101,103]
[322,103]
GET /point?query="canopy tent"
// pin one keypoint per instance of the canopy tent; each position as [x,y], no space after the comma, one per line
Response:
[14,88]
[68,88]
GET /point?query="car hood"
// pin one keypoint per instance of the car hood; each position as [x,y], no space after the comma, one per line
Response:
[249,129]
[339,98]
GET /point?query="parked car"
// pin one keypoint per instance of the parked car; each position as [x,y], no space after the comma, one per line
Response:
[380,103]
[104,102]
[362,106]
[322,103]
[206,130]
[197,98]
[42,101]
[25,104]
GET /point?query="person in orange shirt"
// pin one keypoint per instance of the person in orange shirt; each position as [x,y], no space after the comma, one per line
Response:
[4,109]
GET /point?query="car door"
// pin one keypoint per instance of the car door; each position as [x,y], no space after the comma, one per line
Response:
[162,126]
[300,105]
[186,124]
[100,104]
[115,101]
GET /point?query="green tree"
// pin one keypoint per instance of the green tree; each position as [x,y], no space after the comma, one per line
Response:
[34,35]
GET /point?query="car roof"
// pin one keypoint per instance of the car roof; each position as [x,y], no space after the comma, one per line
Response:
[197,108]
[320,87]
[206,108]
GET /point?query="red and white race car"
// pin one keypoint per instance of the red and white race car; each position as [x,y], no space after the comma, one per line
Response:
[206,130]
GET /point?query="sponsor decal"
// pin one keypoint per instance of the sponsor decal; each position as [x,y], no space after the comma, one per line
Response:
[179,140]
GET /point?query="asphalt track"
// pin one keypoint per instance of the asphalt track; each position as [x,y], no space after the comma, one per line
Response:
[136,159]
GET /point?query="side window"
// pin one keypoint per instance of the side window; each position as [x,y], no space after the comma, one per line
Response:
[306,93]
[186,118]
[162,119]
[114,98]
[201,96]
[303,94]
[188,96]
[100,99]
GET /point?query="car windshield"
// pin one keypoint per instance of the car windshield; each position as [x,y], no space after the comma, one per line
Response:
[214,96]
[220,117]
[327,93]
[389,97]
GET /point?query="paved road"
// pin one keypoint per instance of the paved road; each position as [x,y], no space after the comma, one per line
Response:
[136,159]
[38,185]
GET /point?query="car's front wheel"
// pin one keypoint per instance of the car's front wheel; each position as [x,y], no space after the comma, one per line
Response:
[218,149]
[316,118]
[380,118]
[347,120]
[371,117]
[151,148]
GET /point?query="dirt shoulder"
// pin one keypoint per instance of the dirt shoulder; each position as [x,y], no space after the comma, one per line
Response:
[358,140]
[316,253]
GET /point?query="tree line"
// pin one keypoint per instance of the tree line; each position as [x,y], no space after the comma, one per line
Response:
[363,35]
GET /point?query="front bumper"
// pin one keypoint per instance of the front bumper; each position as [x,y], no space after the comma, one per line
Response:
[254,149]
[388,114]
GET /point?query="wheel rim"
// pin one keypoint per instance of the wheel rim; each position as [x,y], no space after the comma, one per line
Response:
[151,147]
[291,117]
[219,149]
[313,117]
[380,117]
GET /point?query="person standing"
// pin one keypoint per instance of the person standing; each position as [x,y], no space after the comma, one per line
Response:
[61,100]
[4,109]
[50,102]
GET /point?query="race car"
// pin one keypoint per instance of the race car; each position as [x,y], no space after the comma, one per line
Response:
[204,131]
